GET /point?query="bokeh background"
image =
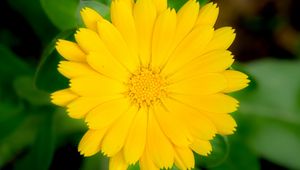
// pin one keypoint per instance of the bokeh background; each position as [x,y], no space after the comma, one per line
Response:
[36,135]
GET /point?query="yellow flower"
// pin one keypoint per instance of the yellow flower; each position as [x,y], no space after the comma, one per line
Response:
[152,84]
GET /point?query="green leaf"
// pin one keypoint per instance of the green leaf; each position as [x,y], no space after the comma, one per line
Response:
[47,77]
[269,113]
[106,2]
[203,2]
[240,157]
[43,148]
[10,124]
[24,86]
[276,140]
[176,4]
[64,125]
[97,161]
[134,167]
[277,89]
[21,137]
[40,156]
[220,149]
[10,108]
[11,66]
[61,13]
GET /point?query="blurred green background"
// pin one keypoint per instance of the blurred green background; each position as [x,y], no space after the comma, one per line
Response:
[36,135]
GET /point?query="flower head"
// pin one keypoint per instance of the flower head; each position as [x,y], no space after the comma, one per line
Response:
[152,84]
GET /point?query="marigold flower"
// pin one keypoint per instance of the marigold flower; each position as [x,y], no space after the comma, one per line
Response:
[151,84]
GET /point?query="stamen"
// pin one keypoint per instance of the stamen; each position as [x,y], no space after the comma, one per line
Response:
[146,87]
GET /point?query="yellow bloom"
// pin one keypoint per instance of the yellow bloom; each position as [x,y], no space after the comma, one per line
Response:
[151,85]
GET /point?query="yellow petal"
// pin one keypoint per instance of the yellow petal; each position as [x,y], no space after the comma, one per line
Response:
[163,35]
[197,123]
[75,69]
[235,80]
[116,136]
[81,106]
[184,158]
[160,5]
[186,18]
[169,120]
[136,140]
[201,127]
[96,86]
[146,163]
[203,84]
[112,39]
[90,18]
[222,39]
[216,103]
[63,97]
[160,148]
[122,18]
[106,64]
[208,14]
[202,147]
[70,50]
[128,2]
[106,113]
[90,143]
[224,123]
[190,48]
[117,162]
[213,62]
[88,40]
[144,13]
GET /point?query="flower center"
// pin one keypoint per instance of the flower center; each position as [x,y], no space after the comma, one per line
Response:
[146,87]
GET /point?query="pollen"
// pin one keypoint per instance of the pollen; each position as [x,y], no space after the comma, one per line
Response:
[146,87]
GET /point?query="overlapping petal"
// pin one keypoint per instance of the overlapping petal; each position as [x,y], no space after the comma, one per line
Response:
[202,84]
[208,15]
[70,50]
[202,147]
[235,80]
[144,12]
[116,136]
[169,120]
[117,162]
[104,63]
[184,158]
[63,97]
[213,62]
[186,19]
[79,107]
[225,103]
[96,86]
[107,113]
[163,36]
[158,144]
[112,38]
[189,48]
[90,18]
[122,18]
[75,69]
[135,144]
[91,142]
